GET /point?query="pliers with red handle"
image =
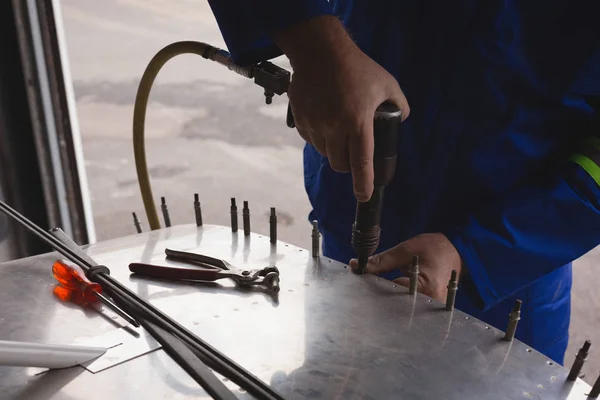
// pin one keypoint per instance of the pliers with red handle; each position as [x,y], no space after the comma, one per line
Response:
[211,269]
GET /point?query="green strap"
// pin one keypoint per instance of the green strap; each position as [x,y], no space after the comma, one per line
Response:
[588,165]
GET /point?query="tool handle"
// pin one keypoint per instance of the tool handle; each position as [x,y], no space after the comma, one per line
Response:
[71,279]
[193,258]
[386,125]
[175,273]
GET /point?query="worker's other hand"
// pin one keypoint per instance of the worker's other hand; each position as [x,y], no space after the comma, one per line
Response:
[437,259]
[334,93]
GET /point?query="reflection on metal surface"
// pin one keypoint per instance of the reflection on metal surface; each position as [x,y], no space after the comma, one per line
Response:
[330,334]
[121,346]
[7,245]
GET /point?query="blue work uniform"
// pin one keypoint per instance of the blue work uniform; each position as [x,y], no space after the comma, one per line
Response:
[500,150]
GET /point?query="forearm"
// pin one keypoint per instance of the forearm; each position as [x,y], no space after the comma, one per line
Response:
[312,39]
[248,25]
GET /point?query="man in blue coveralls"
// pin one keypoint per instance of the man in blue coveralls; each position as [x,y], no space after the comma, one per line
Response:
[498,171]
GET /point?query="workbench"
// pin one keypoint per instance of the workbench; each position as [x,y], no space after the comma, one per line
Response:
[328,334]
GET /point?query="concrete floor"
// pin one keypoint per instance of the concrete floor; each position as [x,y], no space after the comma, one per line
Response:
[208,132]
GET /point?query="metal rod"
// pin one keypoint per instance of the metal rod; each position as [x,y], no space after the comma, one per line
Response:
[120,293]
[580,359]
[513,321]
[197,210]
[212,357]
[413,275]
[316,239]
[137,223]
[165,212]
[452,288]
[246,219]
[234,215]
[595,390]
[108,303]
[185,357]
[273,226]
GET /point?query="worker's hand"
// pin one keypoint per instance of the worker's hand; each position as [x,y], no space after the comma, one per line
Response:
[437,259]
[334,93]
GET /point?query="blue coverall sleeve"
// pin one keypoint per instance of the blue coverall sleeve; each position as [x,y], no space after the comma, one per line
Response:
[246,25]
[539,227]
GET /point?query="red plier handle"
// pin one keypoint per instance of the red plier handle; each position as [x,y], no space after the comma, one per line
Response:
[197,259]
[176,273]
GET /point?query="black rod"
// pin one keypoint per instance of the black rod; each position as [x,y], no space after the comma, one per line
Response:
[139,307]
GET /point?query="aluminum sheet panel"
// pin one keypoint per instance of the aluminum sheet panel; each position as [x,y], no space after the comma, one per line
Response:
[329,334]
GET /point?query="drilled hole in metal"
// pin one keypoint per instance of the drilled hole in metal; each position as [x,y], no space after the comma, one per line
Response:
[529,350]
[429,301]
[467,317]
[550,363]
[487,327]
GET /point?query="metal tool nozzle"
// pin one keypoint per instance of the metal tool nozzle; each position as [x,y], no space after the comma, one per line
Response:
[316,239]
[137,223]
[165,212]
[580,359]
[413,275]
[513,321]
[234,215]
[273,226]
[246,219]
[595,390]
[452,289]
[197,210]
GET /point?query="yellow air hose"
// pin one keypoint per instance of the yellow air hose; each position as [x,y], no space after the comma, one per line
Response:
[141,103]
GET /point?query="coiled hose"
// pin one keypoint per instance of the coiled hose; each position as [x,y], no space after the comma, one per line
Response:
[141,103]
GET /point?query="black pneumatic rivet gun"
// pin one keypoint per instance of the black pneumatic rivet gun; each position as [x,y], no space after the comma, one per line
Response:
[366,230]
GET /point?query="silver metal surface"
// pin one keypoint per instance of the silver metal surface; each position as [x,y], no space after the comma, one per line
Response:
[121,346]
[7,245]
[329,334]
